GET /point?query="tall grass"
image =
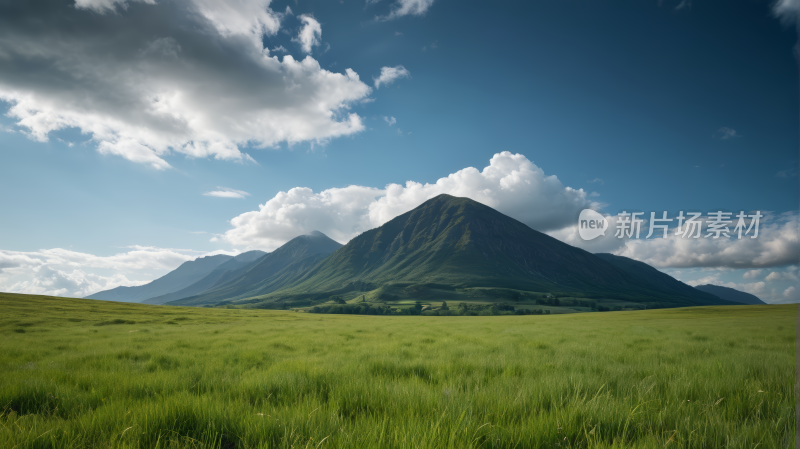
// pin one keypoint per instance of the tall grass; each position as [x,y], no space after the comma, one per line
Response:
[81,373]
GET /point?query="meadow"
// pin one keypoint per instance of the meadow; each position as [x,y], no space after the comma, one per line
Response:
[92,374]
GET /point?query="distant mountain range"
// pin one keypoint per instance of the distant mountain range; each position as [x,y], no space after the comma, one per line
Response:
[210,280]
[183,276]
[282,267]
[446,248]
[218,275]
[730,294]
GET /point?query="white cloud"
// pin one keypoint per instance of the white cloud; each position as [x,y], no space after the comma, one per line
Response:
[390,74]
[752,274]
[390,120]
[225,192]
[62,272]
[781,276]
[777,245]
[310,34]
[75,283]
[510,183]
[251,17]
[402,8]
[790,292]
[197,83]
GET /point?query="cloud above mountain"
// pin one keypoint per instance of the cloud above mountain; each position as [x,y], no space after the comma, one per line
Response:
[517,187]
[147,79]
[510,183]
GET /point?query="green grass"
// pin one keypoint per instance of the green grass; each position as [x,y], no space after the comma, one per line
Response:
[81,373]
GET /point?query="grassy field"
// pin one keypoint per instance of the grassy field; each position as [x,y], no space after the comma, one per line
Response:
[82,373]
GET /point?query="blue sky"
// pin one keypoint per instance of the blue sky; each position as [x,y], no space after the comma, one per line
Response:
[653,106]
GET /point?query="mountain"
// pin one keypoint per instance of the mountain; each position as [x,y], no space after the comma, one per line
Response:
[660,281]
[284,266]
[457,243]
[730,294]
[183,276]
[218,275]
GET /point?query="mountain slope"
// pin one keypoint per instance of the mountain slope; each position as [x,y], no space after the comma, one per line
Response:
[659,280]
[183,276]
[281,267]
[216,276]
[730,294]
[461,243]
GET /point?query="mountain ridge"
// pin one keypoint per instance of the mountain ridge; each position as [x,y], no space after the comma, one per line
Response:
[186,274]
[217,275]
[730,294]
[462,243]
[271,272]
[657,278]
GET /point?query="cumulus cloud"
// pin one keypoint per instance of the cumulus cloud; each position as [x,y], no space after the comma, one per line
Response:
[62,272]
[781,276]
[510,183]
[390,75]
[390,120]
[752,274]
[225,192]
[310,34]
[146,80]
[402,8]
[777,245]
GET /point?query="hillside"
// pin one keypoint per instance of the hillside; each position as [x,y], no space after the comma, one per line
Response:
[730,294]
[183,276]
[660,281]
[219,275]
[458,243]
[284,266]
